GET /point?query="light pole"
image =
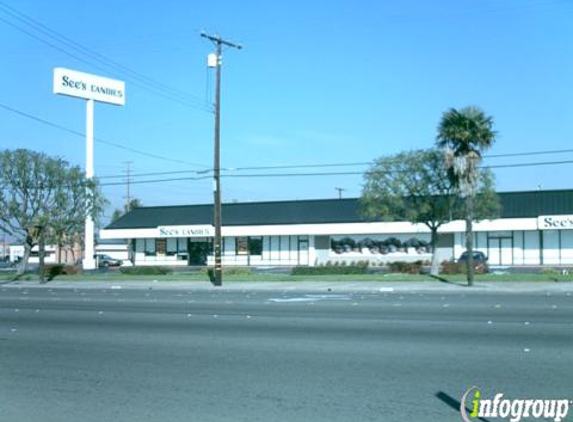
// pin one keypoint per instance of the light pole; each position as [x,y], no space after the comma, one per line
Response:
[219,42]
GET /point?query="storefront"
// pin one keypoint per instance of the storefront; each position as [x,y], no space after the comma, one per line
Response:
[535,228]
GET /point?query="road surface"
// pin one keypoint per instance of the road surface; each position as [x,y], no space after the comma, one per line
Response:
[110,354]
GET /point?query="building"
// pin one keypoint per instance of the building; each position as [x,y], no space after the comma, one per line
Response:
[117,249]
[535,228]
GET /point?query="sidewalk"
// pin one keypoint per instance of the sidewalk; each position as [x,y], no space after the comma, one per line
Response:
[306,286]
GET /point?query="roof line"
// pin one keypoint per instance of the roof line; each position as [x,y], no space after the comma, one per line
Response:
[253,203]
[330,199]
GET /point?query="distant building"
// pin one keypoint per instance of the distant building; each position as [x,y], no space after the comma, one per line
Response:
[535,228]
[117,249]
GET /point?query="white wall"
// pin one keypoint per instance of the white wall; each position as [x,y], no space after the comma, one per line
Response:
[280,243]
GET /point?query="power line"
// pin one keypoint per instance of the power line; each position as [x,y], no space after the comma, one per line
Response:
[321,174]
[138,79]
[277,167]
[281,175]
[523,154]
[101,141]
[326,165]
[294,166]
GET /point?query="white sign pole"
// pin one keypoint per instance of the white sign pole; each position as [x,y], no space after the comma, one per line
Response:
[89,261]
[91,88]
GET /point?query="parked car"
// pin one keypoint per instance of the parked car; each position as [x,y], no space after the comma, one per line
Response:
[480,261]
[104,260]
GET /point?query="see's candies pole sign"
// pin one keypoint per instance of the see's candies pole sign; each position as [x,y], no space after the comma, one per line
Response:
[90,87]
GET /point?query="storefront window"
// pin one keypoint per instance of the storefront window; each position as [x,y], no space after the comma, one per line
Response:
[161,246]
[171,246]
[242,245]
[182,253]
[149,247]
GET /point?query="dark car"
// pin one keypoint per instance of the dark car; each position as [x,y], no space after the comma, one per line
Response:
[480,261]
[104,260]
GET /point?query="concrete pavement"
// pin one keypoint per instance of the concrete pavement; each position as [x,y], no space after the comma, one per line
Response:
[308,286]
[109,354]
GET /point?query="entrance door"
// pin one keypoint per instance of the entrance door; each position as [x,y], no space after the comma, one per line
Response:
[198,252]
[500,251]
[506,251]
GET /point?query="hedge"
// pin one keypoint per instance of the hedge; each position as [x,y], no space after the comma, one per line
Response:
[361,268]
[146,270]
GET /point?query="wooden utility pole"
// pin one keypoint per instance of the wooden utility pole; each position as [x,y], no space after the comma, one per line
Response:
[219,43]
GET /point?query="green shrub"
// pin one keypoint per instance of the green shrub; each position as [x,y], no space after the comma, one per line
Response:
[359,268]
[548,271]
[406,267]
[146,270]
[231,271]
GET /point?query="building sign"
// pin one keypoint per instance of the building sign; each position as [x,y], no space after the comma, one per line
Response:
[185,231]
[555,222]
[90,87]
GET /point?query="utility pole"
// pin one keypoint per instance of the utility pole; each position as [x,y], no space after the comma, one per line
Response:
[219,43]
[340,190]
[128,183]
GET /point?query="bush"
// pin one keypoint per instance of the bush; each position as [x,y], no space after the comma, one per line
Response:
[406,267]
[548,271]
[231,271]
[359,268]
[151,270]
[51,271]
[452,267]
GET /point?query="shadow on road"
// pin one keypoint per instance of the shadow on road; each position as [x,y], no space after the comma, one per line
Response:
[454,404]
[443,280]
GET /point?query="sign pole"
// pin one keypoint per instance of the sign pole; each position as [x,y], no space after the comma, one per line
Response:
[91,88]
[89,261]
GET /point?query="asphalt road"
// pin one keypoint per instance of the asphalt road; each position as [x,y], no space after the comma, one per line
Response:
[174,355]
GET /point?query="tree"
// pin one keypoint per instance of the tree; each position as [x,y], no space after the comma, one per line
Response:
[43,196]
[463,135]
[414,186]
[118,213]
[66,227]
[410,186]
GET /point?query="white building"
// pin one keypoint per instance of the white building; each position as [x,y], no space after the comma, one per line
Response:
[535,228]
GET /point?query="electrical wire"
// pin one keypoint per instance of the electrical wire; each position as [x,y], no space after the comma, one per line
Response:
[322,174]
[102,141]
[142,81]
[278,167]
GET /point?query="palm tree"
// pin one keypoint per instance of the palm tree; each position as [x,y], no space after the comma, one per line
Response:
[464,134]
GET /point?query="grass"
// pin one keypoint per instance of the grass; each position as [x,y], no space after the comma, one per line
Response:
[7,275]
[508,277]
[245,276]
[233,277]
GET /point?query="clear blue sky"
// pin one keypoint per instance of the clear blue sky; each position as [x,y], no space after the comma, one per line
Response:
[337,82]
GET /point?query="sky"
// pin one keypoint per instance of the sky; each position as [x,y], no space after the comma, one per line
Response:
[336,84]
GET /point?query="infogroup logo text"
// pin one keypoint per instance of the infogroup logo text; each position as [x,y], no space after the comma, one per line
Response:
[515,410]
